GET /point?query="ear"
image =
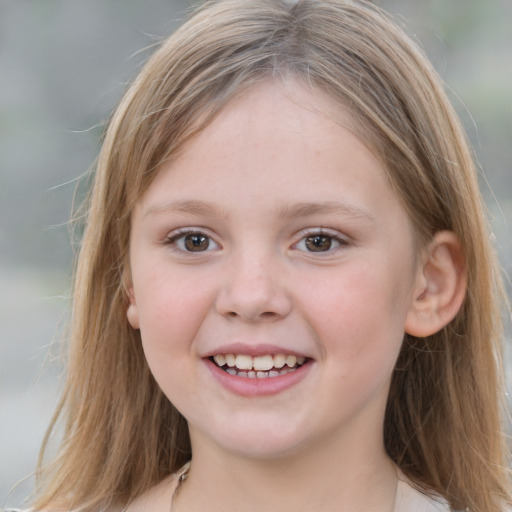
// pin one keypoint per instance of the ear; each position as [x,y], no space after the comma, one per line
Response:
[440,286]
[132,312]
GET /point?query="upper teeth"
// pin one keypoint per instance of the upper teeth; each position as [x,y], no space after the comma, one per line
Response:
[258,363]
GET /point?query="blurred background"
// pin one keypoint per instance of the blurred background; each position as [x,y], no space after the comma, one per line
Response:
[63,67]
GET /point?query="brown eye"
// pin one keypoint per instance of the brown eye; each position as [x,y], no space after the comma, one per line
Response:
[318,243]
[192,241]
[196,242]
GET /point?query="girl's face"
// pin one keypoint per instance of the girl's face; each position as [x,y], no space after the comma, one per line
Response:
[273,238]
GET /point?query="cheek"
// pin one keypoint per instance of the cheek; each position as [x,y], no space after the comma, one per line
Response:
[171,308]
[171,311]
[360,315]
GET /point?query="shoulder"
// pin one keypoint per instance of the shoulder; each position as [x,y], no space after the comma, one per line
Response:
[157,497]
[160,496]
[408,498]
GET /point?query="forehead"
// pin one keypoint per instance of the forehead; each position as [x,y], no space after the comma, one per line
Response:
[281,108]
[276,147]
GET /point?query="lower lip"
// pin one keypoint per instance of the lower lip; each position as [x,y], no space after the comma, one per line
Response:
[246,386]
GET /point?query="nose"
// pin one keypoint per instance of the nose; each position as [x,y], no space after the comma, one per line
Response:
[253,290]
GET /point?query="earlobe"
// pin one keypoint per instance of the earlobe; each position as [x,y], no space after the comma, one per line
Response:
[132,313]
[440,286]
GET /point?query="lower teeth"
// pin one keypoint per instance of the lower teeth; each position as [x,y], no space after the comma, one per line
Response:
[251,374]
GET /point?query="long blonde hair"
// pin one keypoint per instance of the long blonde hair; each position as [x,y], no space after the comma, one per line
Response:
[442,426]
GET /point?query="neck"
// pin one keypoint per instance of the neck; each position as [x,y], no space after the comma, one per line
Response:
[344,476]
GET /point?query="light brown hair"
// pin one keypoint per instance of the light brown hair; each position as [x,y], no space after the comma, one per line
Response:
[443,420]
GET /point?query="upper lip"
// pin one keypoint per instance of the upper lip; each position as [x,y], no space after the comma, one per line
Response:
[254,350]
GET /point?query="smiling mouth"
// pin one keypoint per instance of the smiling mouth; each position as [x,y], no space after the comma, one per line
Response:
[258,367]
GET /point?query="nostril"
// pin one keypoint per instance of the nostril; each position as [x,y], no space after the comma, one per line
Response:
[247,303]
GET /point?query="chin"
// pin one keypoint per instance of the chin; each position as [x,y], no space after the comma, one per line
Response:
[261,444]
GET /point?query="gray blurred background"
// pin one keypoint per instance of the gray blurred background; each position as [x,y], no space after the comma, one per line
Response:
[63,67]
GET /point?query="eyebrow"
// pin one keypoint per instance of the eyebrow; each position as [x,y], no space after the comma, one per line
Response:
[303,209]
[193,207]
[327,207]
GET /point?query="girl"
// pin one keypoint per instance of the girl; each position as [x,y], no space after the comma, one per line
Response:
[286,298]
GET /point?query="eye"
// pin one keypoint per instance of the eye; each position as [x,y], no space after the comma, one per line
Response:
[319,242]
[192,241]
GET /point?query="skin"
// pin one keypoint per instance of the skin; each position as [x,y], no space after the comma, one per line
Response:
[245,180]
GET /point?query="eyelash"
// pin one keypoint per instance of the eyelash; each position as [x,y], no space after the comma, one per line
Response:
[178,239]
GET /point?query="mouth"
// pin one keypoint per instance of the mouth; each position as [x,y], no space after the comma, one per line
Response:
[258,367]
